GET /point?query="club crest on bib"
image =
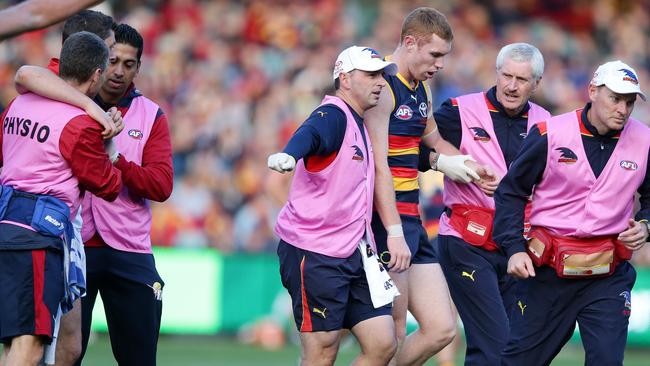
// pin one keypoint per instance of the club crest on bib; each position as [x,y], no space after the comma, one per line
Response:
[480,134]
[567,156]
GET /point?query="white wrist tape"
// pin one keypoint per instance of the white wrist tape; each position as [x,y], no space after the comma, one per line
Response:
[114,157]
[395,231]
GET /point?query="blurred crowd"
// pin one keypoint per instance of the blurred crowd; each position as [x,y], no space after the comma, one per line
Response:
[236,78]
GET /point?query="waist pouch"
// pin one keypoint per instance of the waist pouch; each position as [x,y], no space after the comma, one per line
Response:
[576,257]
[474,224]
[47,215]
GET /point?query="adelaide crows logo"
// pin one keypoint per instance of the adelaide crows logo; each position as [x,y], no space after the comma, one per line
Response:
[480,134]
[627,302]
[566,155]
[629,76]
[358,154]
[373,53]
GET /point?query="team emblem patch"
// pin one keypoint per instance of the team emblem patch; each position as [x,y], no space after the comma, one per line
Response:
[404,112]
[629,165]
[358,154]
[136,134]
[566,155]
[629,76]
[628,302]
[423,110]
[480,134]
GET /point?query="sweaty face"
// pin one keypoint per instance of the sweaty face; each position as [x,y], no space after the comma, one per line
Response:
[609,111]
[515,85]
[365,87]
[427,57]
[123,65]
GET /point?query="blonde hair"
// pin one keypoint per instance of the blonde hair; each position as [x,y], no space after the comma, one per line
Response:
[423,22]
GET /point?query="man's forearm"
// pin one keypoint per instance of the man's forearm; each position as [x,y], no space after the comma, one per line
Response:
[42,81]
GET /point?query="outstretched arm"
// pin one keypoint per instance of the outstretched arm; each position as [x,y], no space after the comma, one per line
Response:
[36,14]
[42,81]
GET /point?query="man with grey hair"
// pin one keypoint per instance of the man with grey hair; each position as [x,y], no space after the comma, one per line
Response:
[490,126]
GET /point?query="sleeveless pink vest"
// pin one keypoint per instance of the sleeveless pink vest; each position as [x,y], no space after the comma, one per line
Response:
[328,212]
[474,112]
[30,146]
[569,200]
[124,224]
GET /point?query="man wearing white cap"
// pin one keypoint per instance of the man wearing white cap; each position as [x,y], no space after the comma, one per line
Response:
[586,167]
[326,251]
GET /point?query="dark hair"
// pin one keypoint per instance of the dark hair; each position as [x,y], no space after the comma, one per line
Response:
[91,21]
[81,55]
[126,34]
[337,84]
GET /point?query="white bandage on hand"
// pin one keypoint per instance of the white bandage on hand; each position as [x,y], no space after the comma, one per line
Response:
[453,166]
[281,162]
[111,150]
[395,231]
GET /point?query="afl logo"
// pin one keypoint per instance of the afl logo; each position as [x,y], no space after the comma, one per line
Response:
[629,165]
[404,112]
[136,134]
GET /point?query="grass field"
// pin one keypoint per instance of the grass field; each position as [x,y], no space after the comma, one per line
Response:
[208,351]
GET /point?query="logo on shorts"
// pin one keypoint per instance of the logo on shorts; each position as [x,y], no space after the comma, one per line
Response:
[320,312]
[566,155]
[629,165]
[480,134]
[628,302]
[358,154]
[136,134]
[157,290]
[468,275]
[404,112]
[522,307]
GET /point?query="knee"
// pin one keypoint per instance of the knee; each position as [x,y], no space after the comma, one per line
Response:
[383,349]
[440,337]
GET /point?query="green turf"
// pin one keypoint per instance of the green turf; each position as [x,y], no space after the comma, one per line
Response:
[208,351]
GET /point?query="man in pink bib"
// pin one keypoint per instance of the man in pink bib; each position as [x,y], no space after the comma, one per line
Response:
[490,126]
[585,167]
[51,152]
[326,247]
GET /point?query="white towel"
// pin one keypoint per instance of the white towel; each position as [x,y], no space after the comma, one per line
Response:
[382,288]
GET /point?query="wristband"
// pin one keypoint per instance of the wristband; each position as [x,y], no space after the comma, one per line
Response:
[434,163]
[114,157]
[395,231]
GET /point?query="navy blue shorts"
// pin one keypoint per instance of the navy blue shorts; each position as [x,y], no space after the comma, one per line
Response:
[31,288]
[327,293]
[416,238]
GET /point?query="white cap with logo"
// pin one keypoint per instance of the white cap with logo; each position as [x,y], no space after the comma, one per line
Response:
[618,77]
[361,58]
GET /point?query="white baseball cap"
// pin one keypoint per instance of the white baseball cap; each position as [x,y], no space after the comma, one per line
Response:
[618,77]
[361,58]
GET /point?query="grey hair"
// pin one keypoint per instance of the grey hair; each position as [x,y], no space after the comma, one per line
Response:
[522,52]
